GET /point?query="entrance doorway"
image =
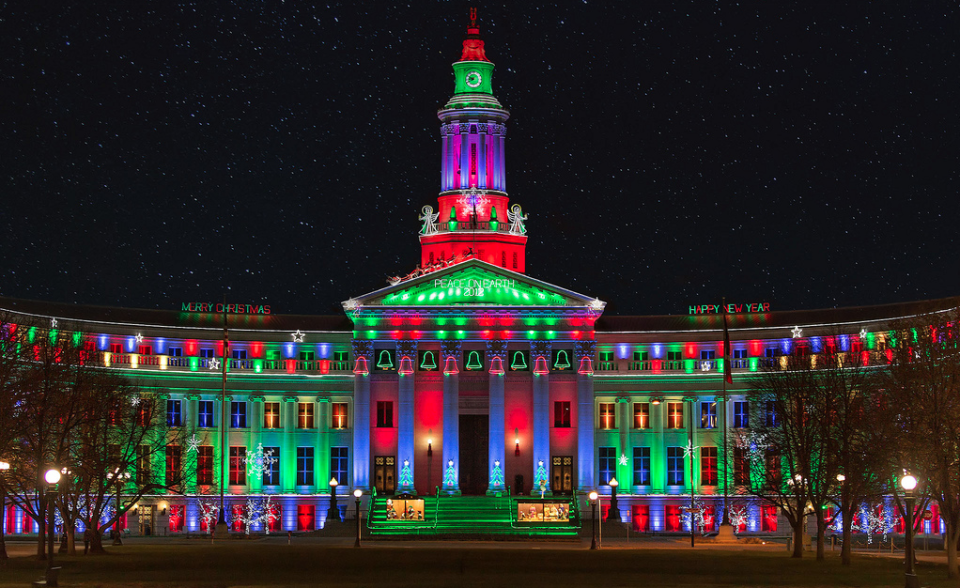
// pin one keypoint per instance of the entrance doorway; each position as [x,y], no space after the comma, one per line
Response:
[474,453]
[562,474]
[385,474]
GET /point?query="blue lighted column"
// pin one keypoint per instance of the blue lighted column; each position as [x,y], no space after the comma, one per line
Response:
[288,446]
[497,354]
[585,420]
[406,350]
[363,355]
[450,355]
[540,354]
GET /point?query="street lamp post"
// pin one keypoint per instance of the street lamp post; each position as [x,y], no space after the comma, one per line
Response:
[52,477]
[614,508]
[357,493]
[593,509]
[910,576]
[333,513]
[4,467]
[119,478]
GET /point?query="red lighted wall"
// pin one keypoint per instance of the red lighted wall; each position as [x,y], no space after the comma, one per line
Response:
[518,412]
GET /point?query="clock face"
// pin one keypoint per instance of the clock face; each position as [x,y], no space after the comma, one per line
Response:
[473,79]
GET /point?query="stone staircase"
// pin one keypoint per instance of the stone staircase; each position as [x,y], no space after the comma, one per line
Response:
[465,518]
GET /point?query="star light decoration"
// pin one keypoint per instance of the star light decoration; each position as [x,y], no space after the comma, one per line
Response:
[53,323]
[797,332]
[214,363]
[863,333]
[139,338]
[623,459]
[193,444]
[298,336]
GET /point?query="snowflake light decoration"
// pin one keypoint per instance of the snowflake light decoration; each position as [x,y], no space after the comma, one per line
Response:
[473,200]
[623,459]
[135,400]
[298,336]
[690,450]
[797,332]
[193,444]
[214,363]
[260,462]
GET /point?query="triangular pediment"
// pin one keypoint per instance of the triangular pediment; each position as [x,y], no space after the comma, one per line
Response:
[473,283]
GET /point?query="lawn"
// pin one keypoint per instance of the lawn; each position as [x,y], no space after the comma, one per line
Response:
[252,563]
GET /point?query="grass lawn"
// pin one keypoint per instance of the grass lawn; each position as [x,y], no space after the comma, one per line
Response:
[273,564]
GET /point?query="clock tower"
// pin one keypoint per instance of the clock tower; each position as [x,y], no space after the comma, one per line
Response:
[475,218]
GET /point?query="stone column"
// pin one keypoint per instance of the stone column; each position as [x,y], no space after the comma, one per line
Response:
[497,356]
[585,416]
[623,427]
[450,358]
[256,426]
[363,355]
[406,349]
[540,356]
[288,449]
[321,464]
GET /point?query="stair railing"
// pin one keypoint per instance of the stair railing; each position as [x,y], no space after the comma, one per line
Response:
[436,517]
[373,501]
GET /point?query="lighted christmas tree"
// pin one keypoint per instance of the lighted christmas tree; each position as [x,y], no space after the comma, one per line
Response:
[450,476]
[496,477]
[406,477]
[541,475]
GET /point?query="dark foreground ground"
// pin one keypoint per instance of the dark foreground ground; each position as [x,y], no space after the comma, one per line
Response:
[317,562]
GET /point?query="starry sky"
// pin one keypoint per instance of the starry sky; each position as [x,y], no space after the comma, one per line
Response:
[667,153]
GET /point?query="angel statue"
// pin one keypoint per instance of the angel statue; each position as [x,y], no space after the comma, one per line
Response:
[516,217]
[429,219]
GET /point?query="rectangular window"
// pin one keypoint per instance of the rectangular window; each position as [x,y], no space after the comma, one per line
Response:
[341,361]
[144,412]
[305,415]
[641,415]
[175,351]
[238,466]
[206,353]
[741,415]
[708,360]
[641,466]
[177,516]
[174,416]
[768,519]
[174,462]
[773,471]
[641,361]
[238,415]
[338,464]
[384,413]
[741,467]
[607,362]
[770,413]
[339,415]
[674,415]
[145,350]
[671,518]
[708,466]
[674,360]
[143,465]
[675,466]
[608,415]
[116,348]
[561,414]
[306,518]
[271,415]
[271,472]
[739,359]
[205,414]
[205,465]
[708,415]
[304,466]
[608,464]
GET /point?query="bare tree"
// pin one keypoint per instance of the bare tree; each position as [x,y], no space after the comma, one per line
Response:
[923,395]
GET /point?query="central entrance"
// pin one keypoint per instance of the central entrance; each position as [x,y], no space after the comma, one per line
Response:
[474,430]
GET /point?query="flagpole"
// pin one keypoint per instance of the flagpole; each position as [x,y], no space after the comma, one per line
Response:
[222,521]
[727,369]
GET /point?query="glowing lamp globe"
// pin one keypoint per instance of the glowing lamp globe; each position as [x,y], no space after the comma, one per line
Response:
[4,466]
[841,477]
[52,476]
[908,482]
[614,483]
[593,496]
[357,493]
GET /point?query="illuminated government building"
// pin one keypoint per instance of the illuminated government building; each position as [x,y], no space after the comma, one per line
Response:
[467,378]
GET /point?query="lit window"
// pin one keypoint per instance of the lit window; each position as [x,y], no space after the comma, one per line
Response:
[205,414]
[384,414]
[339,415]
[708,466]
[608,464]
[238,466]
[641,466]
[305,415]
[641,415]
[675,466]
[304,466]
[608,415]
[708,415]
[238,415]
[271,475]
[561,414]
[741,415]
[174,415]
[271,415]
[674,415]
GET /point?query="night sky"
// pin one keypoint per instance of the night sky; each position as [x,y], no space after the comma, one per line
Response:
[667,154]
